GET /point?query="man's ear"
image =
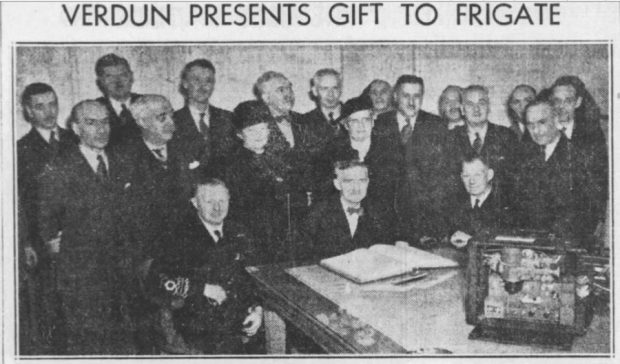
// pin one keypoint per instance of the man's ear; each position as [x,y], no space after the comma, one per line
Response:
[314,91]
[337,184]
[75,128]
[579,101]
[490,174]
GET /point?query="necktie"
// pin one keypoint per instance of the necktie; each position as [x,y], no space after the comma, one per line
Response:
[477,144]
[102,170]
[541,153]
[125,115]
[332,121]
[477,204]
[354,210]
[53,142]
[218,235]
[159,153]
[204,129]
[406,132]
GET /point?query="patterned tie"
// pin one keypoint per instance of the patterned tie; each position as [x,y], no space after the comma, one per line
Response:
[477,144]
[53,142]
[102,169]
[352,210]
[125,114]
[406,132]
[204,128]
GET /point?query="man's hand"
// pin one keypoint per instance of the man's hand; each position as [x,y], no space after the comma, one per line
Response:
[253,320]
[31,257]
[215,293]
[459,239]
[53,246]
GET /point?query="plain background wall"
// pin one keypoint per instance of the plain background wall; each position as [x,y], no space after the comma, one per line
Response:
[70,69]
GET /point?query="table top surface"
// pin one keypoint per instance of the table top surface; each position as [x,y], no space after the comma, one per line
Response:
[343,318]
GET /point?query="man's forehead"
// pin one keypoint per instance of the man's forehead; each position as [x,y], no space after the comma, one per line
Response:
[92,111]
[452,95]
[198,70]
[43,98]
[410,87]
[564,90]
[353,172]
[116,69]
[277,82]
[474,166]
[475,95]
[538,113]
[210,191]
[379,86]
[522,92]
[328,79]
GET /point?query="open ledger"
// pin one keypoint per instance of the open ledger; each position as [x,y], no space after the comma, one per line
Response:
[382,261]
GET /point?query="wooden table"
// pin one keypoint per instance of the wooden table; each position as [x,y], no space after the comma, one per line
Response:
[337,331]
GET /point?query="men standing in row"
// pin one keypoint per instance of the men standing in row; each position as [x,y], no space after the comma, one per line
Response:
[422,137]
[326,88]
[39,146]
[496,144]
[115,79]
[206,129]
[555,186]
[81,194]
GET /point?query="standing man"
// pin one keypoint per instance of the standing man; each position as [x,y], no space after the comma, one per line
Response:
[114,79]
[326,89]
[496,144]
[206,253]
[206,129]
[81,192]
[345,221]
[450,103]
[379,93]
[43,143]
[422,139]
[556,189]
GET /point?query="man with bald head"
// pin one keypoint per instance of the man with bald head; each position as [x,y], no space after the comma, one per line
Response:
[555,187]
[80,195]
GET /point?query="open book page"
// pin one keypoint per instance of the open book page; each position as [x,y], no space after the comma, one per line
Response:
[413,257]
[363,265]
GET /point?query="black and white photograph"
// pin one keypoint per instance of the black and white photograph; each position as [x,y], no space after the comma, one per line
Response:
[294,199]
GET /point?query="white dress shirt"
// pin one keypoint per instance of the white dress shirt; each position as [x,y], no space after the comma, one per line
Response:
[162,148]
[549,148]
[118,105]
[91,157]
[352,219]
[196,116]
[335,112]
[47,133]
[481,132]
[568,128]
[213,228]
[402,121]
[480,199]
[287,130]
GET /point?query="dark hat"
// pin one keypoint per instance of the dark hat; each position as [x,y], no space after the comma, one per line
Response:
[250,113]
[354,105]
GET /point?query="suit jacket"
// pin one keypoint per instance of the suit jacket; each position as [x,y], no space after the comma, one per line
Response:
[325,231]
[420,195]
[385,164]
[74,200]
[501,149]
[319,125]
[121,131]
[33,153]
[494,214]
[522,136]
[156,192]
[221,141]
[558,194]
[192,257]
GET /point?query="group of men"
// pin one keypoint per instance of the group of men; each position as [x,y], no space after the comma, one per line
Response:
[136,222]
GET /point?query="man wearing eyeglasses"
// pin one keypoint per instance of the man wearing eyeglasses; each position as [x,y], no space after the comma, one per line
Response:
[80,195]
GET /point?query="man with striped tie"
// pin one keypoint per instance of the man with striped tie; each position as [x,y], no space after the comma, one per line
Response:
[81,193]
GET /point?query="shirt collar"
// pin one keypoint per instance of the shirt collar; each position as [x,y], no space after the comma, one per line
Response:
[345,204]
[480,199]
[549,148]
[46,133]
[482,132]
[402,120]
[362,147]
[91,156]
[118,105]
[212,228]
[196,115]
[336,112]
[568,128]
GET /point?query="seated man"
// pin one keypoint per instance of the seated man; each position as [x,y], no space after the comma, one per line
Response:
[344,222]
[482,208]
[208,303]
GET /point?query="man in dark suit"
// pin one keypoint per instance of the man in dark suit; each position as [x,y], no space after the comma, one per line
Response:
[482,208]
[80,193]
[422,139]
[496,144]
[262,186]
[381,156]
[555,186]
[569,97]
[206,129]
[519,98]
[450,103]
[39,146]
[114,79]
[344,222]
[326,89]
[207,298]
